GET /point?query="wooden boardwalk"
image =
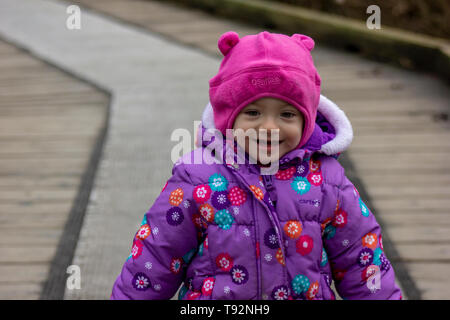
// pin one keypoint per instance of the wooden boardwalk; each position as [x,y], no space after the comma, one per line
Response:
[49,123]
[400,121]
[401,144]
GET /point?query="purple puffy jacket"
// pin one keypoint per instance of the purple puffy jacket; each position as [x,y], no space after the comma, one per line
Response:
[228,232]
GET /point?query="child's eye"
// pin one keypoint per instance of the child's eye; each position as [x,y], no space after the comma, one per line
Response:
[252,113]
[288,114]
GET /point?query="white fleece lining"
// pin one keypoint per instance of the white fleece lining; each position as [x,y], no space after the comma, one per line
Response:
[337,118]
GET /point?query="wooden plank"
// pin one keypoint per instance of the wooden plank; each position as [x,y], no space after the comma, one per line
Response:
[33,73]
[39,88]
[405,219]
[69,110]
[20,291]
[24,166]
[27,254]
[48,125]
[48,236]
[37,208]
[421,205]
[434,290]
[418,234]
[55,98]
[390,148]
[436,253]
[403,161]
[32,194]
[30,82]
[25,147]
[398,179]
[22,273]
[414,139]
[51,219]
[407,192]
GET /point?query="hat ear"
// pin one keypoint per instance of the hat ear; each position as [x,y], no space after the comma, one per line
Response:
[305,40]
[227,41]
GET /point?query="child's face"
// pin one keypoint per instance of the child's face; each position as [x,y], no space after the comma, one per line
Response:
[270,114]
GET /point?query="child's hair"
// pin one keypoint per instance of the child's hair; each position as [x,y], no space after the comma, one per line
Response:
[265,65]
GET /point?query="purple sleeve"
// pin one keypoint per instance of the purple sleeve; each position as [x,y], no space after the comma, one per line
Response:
[163,245]
[353,243]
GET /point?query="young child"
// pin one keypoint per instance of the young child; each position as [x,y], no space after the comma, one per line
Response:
[227,231]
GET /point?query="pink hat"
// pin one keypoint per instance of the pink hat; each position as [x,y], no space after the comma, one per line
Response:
[265,65]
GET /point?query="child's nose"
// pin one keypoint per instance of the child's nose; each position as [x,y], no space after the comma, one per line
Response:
[269,124]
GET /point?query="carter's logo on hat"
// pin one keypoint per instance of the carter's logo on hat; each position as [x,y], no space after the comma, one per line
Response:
[262,82]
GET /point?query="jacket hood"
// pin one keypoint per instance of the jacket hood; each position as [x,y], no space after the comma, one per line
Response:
[332,133]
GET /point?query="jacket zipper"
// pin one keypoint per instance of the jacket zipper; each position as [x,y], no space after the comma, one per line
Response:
[269,187]
[274,223]
[273,218]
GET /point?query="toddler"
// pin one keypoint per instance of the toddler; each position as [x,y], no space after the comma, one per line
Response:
[226,229]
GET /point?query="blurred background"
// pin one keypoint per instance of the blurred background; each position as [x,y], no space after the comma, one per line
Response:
[90,92]
[426,17]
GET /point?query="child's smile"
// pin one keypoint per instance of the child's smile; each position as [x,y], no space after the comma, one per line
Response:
[269,117]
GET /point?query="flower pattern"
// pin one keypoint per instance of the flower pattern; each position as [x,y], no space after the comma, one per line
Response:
[340,219]
[293,229]
[286,174]
[215,205]
[385,264]
[300,284]
[315,178]
[364,210]
[174,216]
[224,219]
[368,272]
[143,232]
[271,239]
[207,212]
[300,185]
[324,260]
[280,293]
[193,295]
[218,182]
[176,197]
[140,281]
[365,257]
[280,258]
[239,274]
[312,290]
[220,200]
[201,193]
[302,169]
[257,192]
[208,285]
[198,221]
[268,202]
[304,245]
[237,196]
[136,250]
[224,262]
[370,241]
[175,265]
[329,232]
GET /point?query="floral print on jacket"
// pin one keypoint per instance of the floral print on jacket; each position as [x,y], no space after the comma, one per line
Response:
[226,232]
